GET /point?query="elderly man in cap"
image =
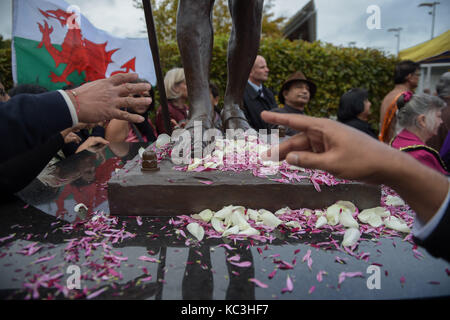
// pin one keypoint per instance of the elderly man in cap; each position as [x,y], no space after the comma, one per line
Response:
[258,98]
[295,94]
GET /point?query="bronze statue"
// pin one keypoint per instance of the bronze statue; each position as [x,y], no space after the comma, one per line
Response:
[195,40]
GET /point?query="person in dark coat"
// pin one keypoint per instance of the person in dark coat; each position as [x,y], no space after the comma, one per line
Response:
[354,110]
[258,98]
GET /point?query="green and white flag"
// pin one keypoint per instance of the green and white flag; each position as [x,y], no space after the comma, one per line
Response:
[54,45]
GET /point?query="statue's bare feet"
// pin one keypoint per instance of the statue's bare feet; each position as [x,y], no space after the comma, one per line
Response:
[233,118]
[197,126]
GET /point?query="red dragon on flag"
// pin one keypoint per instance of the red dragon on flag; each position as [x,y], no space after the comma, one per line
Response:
[78,53]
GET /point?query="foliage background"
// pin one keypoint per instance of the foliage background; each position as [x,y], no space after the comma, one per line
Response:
[5,63]
[335,70]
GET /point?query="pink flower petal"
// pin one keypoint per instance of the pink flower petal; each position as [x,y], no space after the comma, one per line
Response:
[344,275]
[149,278]
[258,283]
[226,246]
[289,285]
[96,293]
[272,274]
[319,276]
[311,290]
[43,259]
[148,259]
[244,264]
[307,257]
[8,237]
[235,258]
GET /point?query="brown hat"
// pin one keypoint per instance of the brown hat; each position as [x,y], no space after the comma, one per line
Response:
[297,76]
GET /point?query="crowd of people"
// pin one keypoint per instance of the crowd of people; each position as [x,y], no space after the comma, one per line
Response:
[416,124]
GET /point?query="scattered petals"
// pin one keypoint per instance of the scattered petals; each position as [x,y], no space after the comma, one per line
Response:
[289,285]
[344,275]
[258,283]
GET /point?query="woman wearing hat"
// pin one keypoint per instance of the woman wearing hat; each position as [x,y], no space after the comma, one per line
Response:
[295,94]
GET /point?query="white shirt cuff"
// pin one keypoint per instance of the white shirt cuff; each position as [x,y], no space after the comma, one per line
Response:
[423,231]
[73,111]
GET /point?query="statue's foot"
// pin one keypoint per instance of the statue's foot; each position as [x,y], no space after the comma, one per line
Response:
[233,118]
[197,131]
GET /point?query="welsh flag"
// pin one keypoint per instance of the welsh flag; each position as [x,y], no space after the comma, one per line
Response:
[54,45]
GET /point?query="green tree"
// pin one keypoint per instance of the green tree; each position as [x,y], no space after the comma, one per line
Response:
[5,63]
[165,13]
[4,43]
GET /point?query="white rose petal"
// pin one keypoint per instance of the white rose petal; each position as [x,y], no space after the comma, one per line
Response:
[261,211]
[351,237]
[293,224]
[217,225]
[373,216]
[379,211]
[347,220]
[375,221]
[237,219]
[80,206]
[269,219]
[196,162]
[321,222]
[206,215]
[212,165]
[232,230]
[196,230]
[224,212]
[347,205]
[333,214]
[141,152]
[162,140]
[307,212]
[250,232]
[394,201]
[292,167]
[241,211]
[282,211]
[253,215]
[398,224]
[318,213]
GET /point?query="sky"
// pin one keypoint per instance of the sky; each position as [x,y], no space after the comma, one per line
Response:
[339,21]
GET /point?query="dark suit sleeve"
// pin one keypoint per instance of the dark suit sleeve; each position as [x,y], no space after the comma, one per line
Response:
[29,120]
[17,172]
[437,242]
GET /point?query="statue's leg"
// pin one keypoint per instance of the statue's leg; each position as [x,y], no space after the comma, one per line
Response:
[195,41]
[242,50]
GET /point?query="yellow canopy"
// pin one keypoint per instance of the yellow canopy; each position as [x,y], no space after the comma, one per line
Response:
[427,49]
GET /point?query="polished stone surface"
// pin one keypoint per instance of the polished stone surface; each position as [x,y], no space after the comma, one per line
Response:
[42,216]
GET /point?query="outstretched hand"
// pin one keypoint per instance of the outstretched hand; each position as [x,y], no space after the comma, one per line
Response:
[350,154]
[331,146]
[101,100]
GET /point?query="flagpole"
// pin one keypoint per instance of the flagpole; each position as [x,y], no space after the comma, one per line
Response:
[153,41]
